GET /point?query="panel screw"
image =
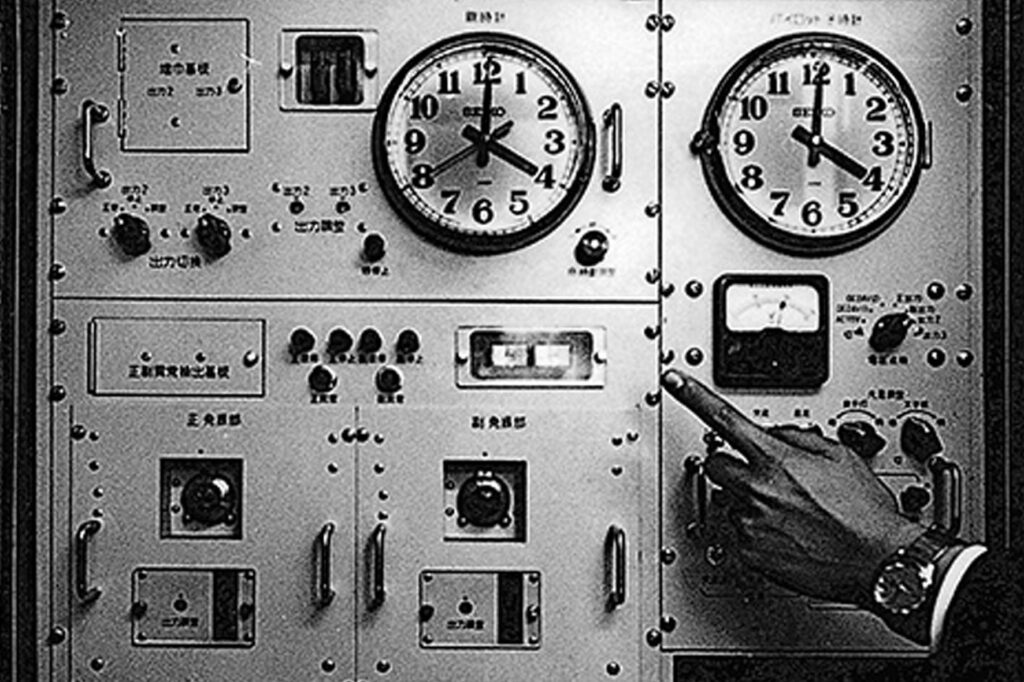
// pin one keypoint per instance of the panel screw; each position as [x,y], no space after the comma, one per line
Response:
[58,635]
[600,357]
[668,623]
[383,667]
[328,665]
[936,357]
[613,668]
[652,275]
[694,289]
[653,22]
[694,356]
[251,358]
[652,398]
[653,637]
[667,356]
[964,26]
[78,432]
[964,358]
[139,609]
[652,89]
[667,290]
[58,393]
[964,291]
[652,209]
[58,327]
[97,664]
[60,86]
[936,290]
[426,612]
[668,88]
[427,639]
[58,205]
[348,435]
[652,332]
[60,21]
[667,22]
[57,271]
[668,556]
[963,93]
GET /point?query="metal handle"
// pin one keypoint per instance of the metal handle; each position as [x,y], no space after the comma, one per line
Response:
[323,545]
[694,468]
[377,594]
[93,113]
[613,125]
[948,494]
[85,593]
[615,557]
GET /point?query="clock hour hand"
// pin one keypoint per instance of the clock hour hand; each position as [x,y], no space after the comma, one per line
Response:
[837,156]
[471,133]
[500,150]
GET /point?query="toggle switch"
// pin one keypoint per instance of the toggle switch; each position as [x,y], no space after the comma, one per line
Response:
[388,380]
[408,342]
[861,437]
[322,379]
[370,340]
[919,439]
[338,341]
[374,247]
[301,341]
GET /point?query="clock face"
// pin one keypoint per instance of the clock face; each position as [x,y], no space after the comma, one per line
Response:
[812,143]
[483,143]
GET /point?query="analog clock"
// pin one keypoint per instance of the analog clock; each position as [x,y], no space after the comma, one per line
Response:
[483,143]
[813,143]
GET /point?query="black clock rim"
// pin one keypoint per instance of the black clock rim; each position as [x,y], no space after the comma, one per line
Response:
[482,244]
[753,224]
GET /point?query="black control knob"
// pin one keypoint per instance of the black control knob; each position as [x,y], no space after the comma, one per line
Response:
[408,342]
[370,341]
[484,500]
[301,341]
[213,236]
[889,332]
[338,341]
[208,499]
[913,499]
[861,437]
[374,247]
[388,380]
[322,379]
[131,234]
[919,439]
[592,248]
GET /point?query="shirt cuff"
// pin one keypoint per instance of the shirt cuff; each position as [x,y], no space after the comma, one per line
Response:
[947,589]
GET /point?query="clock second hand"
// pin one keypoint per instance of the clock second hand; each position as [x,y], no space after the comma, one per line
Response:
[837,156]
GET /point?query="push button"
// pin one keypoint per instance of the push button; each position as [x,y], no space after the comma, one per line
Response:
[388,380]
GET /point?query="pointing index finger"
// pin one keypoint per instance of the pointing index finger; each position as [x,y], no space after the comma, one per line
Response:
[719,414]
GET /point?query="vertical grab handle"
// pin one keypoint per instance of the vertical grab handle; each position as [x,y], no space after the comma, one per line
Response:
[85,531]
[93,113]
[377,593]
[325,593]
[615,558]
[612,122]
[694,468]
[948,494]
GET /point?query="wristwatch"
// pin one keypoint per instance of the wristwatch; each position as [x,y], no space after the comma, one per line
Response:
[906,580]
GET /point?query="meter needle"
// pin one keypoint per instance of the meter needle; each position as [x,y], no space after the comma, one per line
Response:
[837,156]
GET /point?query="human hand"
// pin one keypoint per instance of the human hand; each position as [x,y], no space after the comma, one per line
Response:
[809,513]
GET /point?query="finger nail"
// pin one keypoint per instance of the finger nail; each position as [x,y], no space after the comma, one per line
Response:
[672,380]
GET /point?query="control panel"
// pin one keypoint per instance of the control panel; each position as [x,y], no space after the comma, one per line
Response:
[354,316]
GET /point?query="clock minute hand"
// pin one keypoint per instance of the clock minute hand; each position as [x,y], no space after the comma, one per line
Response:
[837,156]
[816,115]
[482,150]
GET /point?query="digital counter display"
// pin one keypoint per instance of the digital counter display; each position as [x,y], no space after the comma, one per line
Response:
[531,358]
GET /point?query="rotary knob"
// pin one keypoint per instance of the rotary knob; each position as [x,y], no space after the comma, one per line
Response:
[889,332]
[388,380]
[592,248]
[208,499]
[374,247]
[484,500]
[861,437]
[213,236]
[131,234]
[919,439]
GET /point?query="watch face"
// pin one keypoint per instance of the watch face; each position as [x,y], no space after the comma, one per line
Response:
[483,143]
[901,587]
[812,143]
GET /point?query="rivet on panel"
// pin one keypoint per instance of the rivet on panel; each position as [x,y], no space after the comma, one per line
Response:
[78,432]
[694,289]
[652,209]
[667,22]
[58,393]
[964,358]
[652,398]
[60,21]
[652,275]
[58,205]
[964,291]
[58,327]
[652,332]
[600,357]
[383,667]
[964,26]
[652,89]
[964,93]
[613,668]
[694,356]
[668,88]
[251,358]
[667,356]
[668,623]
[57,271]
[328,665]
[60,86]
[668,556]
[667,290]
[97,664]
[58,635]
[653,637]
[653,22]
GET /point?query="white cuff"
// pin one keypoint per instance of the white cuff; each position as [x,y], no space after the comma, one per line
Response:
[947,589]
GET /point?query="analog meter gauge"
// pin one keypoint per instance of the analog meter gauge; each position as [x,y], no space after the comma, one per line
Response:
[483,143]
[771,331]
[813,144]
